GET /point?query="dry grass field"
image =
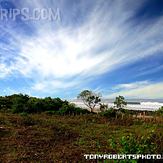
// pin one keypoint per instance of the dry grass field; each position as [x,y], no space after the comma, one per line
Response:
[54,138]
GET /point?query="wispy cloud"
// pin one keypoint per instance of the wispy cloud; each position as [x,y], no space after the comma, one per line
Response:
[60,57]
[134,85]
[150,70]
[140,90]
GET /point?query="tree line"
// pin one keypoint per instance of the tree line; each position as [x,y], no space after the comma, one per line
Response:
[19,103]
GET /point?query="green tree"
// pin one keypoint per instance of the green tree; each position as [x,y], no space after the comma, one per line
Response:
[19,102]
[90,99]
[120,102]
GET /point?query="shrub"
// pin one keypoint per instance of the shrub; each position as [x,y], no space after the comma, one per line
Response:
[24,114]
[17,109]
[133,145]
[51,112]
[160,111]
[71,109]
[19,103]
[109,113]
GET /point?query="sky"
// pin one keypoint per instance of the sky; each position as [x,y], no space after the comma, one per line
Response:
[114,47]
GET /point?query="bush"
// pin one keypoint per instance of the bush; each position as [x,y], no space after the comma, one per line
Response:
[109,113]
[71,109]
[51,112]
[68,109]
[19,103]
[18,109]
[132,144]
[160,111]
[24,114]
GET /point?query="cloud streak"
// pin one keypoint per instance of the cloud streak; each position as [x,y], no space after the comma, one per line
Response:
[140,90]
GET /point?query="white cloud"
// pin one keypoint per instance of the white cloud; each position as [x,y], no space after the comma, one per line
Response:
[50,85]
[104,41]
[138,90]
[132,85]
[4,71]
[150,70]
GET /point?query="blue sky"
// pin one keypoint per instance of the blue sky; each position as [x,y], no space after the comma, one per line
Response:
[114,47]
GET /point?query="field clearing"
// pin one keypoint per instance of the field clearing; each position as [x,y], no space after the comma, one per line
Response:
[53,138]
